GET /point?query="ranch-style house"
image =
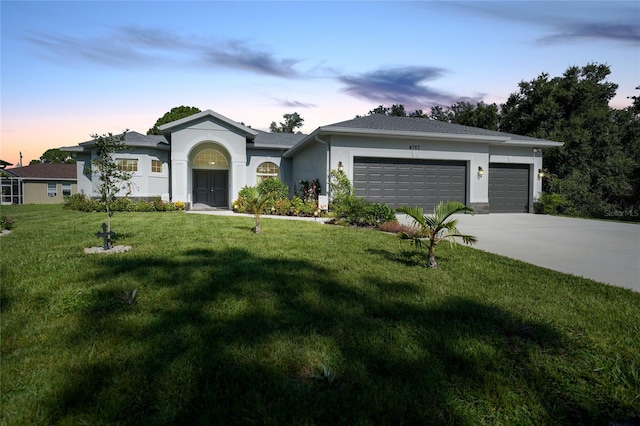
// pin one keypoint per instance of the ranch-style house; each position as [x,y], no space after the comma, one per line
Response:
[205,159]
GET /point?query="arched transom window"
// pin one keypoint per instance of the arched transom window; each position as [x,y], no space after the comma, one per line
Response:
[267,170]
[211,157]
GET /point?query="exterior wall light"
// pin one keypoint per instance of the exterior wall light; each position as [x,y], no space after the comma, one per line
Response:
[540,174]
[480,171]
[340,167]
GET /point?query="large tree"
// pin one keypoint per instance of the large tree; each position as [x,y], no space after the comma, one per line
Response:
[594,170]
[479,115]
[175,114]
[289,125]
[55,155]
[396,110]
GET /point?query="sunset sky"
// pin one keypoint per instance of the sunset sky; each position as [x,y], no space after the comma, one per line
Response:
[72,69]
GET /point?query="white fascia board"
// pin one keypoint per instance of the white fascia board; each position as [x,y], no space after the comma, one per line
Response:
[405,134]
[208,113]
[536,144]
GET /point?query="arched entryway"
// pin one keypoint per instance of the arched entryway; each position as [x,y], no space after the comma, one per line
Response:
[210,175]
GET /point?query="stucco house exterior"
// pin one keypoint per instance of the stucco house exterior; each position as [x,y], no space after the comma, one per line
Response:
[204,160]
[44,183]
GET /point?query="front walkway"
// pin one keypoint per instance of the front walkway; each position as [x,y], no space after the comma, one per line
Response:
[227,212]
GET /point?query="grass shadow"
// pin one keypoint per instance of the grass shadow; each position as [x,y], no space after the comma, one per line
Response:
[230,336]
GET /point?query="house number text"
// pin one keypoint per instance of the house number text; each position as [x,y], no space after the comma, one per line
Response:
[414,146]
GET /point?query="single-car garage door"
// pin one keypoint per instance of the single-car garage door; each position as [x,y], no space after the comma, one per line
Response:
[409,182]
[508,188]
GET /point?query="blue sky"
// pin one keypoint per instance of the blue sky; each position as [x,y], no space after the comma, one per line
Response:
[72,69]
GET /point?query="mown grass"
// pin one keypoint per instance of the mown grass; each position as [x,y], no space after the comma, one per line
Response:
[303,324]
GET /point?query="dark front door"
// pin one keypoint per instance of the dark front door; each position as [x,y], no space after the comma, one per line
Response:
[210,187]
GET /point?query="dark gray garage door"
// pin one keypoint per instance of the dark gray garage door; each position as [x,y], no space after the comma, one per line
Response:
[508,188]
[404,182]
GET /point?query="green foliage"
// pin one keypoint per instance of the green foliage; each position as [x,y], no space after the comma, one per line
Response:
[352,210]
[83,203]
[55,155]
[551,203]
[436,228]
[479,115]
[290,124]
[6,222]
[308,191]
[396,110]
[176,113]
[273,186]
[340,186]
[255,202]
[597,168]
[356,211]
[105,168]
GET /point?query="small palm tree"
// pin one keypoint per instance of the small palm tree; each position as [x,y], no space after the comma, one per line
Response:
[255,202]
[436,227]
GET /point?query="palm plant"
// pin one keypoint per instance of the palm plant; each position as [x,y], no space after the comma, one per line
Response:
[436,227]
[255,202]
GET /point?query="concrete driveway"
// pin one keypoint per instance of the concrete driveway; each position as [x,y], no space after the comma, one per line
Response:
[604,251]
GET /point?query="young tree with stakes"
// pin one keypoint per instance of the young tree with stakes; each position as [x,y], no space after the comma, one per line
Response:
[105,167]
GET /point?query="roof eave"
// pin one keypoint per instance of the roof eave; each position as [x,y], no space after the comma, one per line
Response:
[405,134]
[540,143]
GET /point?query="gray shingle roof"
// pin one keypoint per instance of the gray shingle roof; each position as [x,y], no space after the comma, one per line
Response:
[277,140]
[138,139]
[421,125]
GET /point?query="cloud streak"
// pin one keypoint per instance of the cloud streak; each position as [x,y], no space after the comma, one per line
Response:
[295,104]
[400,85]
[613,21]
[134,47]
[629,33]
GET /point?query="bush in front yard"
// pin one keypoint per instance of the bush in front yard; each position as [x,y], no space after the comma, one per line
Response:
[6,222]
[83,203]
[357,211]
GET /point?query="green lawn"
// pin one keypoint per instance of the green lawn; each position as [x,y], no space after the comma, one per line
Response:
[303,324]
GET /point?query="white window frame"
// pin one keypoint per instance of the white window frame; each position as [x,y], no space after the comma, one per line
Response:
[52,189]
[127,164]
[260,176]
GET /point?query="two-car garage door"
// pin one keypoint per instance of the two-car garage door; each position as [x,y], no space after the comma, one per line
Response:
[410,182]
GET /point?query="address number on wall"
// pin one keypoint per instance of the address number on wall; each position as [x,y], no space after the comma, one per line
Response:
[414,146]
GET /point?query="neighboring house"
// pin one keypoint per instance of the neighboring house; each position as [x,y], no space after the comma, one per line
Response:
[205,159]
[44,183]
